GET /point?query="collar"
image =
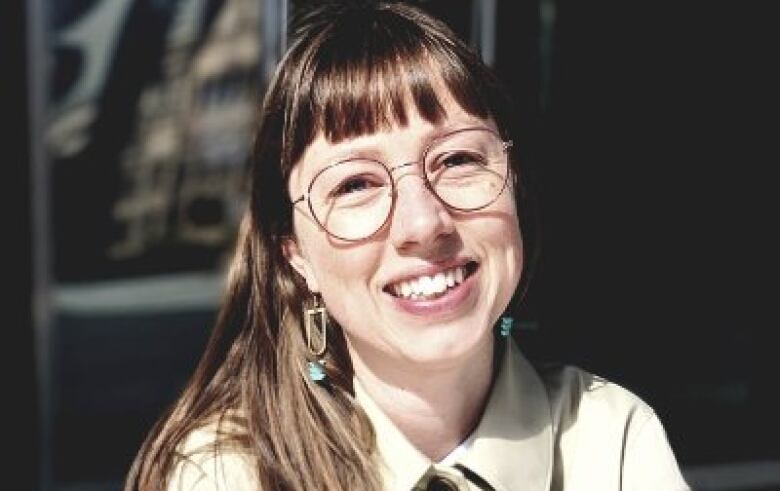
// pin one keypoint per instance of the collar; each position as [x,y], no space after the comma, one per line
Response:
[512,447]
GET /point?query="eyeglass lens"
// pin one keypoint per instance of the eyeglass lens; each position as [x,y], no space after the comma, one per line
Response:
[352,199]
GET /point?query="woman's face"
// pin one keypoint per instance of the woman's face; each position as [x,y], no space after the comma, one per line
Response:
[360,281]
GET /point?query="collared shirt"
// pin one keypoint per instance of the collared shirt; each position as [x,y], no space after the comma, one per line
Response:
[559,429]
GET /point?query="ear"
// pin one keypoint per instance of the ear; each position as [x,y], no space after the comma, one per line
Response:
[295,256]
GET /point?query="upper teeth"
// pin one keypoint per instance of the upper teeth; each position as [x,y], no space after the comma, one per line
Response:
[430,285]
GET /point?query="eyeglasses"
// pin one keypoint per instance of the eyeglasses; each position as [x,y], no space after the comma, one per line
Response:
[353,199]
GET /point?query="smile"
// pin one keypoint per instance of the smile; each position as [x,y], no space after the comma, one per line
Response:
[427,287]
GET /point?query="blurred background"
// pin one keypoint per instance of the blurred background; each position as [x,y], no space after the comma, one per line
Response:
[130,129]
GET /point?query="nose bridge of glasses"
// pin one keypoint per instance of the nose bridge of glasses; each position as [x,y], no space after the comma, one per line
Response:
[406,169]
[399,167]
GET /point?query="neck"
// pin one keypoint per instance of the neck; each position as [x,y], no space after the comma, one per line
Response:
[436,408]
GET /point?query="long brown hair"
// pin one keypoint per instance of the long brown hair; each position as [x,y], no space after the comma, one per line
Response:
[350,70]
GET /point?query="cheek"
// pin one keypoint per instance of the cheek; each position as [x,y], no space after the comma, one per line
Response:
[516,246]
[347,290]
[344,274]
[503,236]
[500,227]
[512,232]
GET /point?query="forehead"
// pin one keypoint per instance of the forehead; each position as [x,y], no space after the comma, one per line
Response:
[397,141]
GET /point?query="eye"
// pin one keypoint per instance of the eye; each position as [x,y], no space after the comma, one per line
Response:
[356,184]
[352,186]
[461,158]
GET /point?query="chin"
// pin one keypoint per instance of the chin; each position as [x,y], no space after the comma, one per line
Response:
[445,348]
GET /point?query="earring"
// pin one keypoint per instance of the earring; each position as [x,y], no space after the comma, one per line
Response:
[310,315]
[506,327]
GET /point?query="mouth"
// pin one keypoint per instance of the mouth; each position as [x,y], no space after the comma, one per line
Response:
[431,287]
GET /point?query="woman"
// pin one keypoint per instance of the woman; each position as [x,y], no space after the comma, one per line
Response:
[365,342]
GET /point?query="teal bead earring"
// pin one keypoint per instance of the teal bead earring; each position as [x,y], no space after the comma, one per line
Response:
[317,371]
[506,327]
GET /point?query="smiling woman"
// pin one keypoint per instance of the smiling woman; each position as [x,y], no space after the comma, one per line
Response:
[365,341]
[411,226]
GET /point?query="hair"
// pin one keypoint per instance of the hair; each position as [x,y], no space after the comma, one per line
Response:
[350,70]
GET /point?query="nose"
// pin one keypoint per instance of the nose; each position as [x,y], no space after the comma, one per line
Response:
[420,220]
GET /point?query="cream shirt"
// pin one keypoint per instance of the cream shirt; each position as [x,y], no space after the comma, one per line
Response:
[559,429]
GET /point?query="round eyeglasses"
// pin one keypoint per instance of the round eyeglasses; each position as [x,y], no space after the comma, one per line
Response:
[353,199]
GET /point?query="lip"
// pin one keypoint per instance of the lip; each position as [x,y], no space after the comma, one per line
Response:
[447,304]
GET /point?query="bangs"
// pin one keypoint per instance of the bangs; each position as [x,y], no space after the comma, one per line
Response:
[360,76]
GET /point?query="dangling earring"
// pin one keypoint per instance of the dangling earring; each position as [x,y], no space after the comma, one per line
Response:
[310,315]
[506,326]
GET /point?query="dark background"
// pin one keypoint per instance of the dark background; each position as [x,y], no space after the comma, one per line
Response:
[651,164]
[20,395]
[653,212]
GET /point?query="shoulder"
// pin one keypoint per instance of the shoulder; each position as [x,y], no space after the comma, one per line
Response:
[204,463]
[578,395]
[588,409]
[604,433]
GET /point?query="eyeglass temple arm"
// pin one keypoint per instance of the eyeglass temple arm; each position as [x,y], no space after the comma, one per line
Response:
[295,202]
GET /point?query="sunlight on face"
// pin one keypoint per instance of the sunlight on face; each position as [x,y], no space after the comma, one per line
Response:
[428,286]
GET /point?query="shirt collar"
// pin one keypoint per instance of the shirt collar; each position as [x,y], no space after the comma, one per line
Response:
[512,445]
[401,465]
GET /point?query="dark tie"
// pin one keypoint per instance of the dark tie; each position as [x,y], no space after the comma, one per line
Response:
[440,483]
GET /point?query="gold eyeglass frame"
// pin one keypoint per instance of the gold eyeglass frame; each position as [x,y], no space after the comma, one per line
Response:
[506,145]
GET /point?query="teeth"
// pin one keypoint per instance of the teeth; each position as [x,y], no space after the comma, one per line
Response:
[426,286]
[416,287]
[440,282]
[406,288]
